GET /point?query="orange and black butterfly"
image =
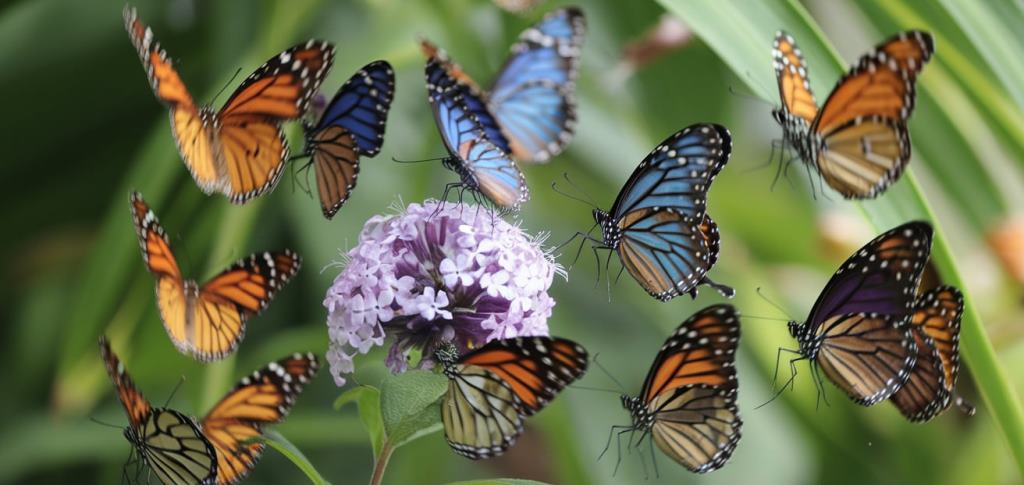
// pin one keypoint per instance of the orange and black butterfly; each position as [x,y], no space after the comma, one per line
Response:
[688,401]
[263,398]
[935,325]
[170,443]
[859,330]
[239,150]
[494,388]
[223,447]
[858,141]
[208,321]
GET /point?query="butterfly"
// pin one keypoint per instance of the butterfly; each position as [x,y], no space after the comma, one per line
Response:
[935,326]
[858,141]
[208,321]
[351,126]
[530,111]
[482,166]
[239,150]
[492,389]
[227,433]
[265,397]
[170,443]
[859,330]
[688,402]
[659,225]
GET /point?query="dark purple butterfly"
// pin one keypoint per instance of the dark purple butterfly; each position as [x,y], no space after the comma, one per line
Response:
[859,329]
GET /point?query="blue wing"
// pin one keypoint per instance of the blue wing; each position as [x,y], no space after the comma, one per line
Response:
[677,173]
[664,251]
[361,106]
[483,166]
[352,125]
[532,98]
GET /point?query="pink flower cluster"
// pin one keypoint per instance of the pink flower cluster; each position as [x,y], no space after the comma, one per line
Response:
[433,274]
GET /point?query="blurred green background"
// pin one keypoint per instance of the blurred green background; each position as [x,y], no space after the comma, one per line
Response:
[83,129]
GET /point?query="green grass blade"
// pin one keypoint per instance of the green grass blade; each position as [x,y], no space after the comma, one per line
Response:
[286,448]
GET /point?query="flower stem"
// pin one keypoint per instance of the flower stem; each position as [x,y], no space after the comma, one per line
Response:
[382,463]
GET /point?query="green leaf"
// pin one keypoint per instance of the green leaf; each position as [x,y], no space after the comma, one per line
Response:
[499,481]
[409,405]
[367,399]
[741,33]
[286,448]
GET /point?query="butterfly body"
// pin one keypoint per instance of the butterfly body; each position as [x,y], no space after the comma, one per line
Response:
[493,388]
[858,141]
[240,149]
[659,225]
[688,402]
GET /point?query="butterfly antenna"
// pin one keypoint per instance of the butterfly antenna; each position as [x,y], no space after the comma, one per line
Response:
[598,389]
[233,76]
[104,423]
[435,159]
[174,391]
[965,406]
[554,186]
[609,374]
[757,317]
[750,96]
[772,303]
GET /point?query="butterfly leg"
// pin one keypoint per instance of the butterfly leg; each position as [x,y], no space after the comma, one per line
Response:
[654,456]
[792,376]
[819,386]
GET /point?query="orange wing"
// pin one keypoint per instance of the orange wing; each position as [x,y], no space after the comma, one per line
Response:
[935,326]
[880,86]
[223,305]
[791,73]
[263,398]
[190,127]
[134,402]
[251,144]
[432,51]
[536,368]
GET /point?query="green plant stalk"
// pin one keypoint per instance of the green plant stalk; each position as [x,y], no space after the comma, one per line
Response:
[999,396]
[381,463]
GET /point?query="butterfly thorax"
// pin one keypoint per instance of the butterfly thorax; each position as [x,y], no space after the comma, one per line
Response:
[809,345]
[642,417]
[610,231]
[796,134]
[455,165]
[132,436]
[447,355]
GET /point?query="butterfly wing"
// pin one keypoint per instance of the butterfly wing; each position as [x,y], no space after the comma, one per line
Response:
[172,291]
[492,389]
[869,356]
[691,391]
[863,122]
[473,98]
[532,97]
[537,368]
[191,131]
[263,398]
[882,277]
[228,300]
[352,125]
[791,74]
[250,142]
[935,326]
[664,251]
[483,166]
[169,442]
[677,173]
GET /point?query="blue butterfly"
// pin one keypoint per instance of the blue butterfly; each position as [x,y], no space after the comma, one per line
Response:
[658,223]
[530,111]
[351,126]
[482,165]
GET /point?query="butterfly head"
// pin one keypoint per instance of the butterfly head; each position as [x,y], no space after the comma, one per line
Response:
[637,409]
